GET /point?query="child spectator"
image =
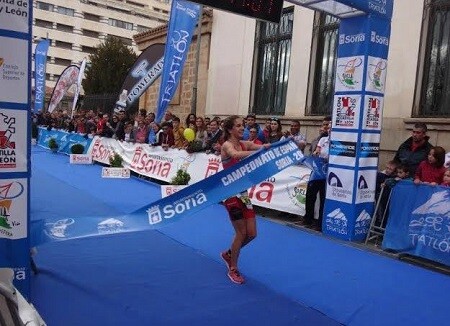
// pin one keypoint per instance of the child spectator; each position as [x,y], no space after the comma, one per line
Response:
[431,171]
[446,178]
[402,174]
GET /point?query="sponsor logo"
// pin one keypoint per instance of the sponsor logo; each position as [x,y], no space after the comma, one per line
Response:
[376,72]
[362,183]
[378,39]
[378,6]
[110,225]
[362,223]
[9,192]
[343,148]
[334,181]
[372,120]
[157,214]
[121,173]
[7,144]
[430,225]
[350,39]
[347,71]
[150,163]
[212,167]
[369,149]
[80,159]
[58,229]
[336,221]
[345,111]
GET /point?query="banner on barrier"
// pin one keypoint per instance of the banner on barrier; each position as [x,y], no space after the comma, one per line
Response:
[284,191]
[419,221]
[64,139]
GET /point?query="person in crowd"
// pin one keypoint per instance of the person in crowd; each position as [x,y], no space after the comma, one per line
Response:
[415,149]
[275,133]
[165,139]
[401,173]
[201,135]
[207,120]
[149,118]
[141,131]
[101,123]
[239,207]
[213,142]
[128,134]
[390,171]
[447,160]
[168,116]
[178,133]
[251,122]
[317,186]
[154,133]
[254,136]
[295,135]
[323,132]
[190,121]
[431,171]
[81,126]
[446,178]
[266,129]
[119,132]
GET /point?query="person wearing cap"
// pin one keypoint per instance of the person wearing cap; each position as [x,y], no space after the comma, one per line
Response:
[251,123]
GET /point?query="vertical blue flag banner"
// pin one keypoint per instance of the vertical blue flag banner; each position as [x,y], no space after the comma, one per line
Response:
[15,140]
[419,221]
[226,183]
[357,116]
[40,68]
[183,18]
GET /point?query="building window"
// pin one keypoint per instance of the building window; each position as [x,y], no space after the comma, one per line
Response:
[323,64]
[43,23]
[89,33]
[44,6]
[434,69]
[65,11]
[141,29]
[64,28]
[120,24]
[63,62]
[91,17]
[273,52]
[88,49]
[63,45]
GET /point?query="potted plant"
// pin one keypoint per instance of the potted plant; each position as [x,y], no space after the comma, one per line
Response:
[194,146]
[77,149]
[181,178]
[115,160]
[53,145]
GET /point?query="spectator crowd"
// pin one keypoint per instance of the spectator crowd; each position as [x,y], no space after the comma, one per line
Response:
[416,158]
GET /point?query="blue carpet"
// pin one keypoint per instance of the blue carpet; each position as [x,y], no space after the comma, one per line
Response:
[174,276]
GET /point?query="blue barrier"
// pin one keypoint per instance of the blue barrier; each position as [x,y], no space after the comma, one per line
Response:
[64,139]
[419,221]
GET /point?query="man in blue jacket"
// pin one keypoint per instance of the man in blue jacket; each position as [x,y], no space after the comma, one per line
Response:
[251,123]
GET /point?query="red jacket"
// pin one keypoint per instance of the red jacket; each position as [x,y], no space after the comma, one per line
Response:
[427,172]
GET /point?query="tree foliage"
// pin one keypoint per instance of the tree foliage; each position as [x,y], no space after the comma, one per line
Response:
[108,67]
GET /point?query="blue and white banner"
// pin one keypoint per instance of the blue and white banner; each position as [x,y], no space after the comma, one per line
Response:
[16,23]
[419,221]
[65,140]
[318,166]
[183,18]
[361,69]
[40,68]
[226,183]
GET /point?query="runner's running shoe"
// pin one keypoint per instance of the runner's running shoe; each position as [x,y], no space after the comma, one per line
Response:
[235,276]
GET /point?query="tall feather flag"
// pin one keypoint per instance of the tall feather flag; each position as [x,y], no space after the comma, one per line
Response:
[78,85]
[40,67]
[183,18]
[67,79]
